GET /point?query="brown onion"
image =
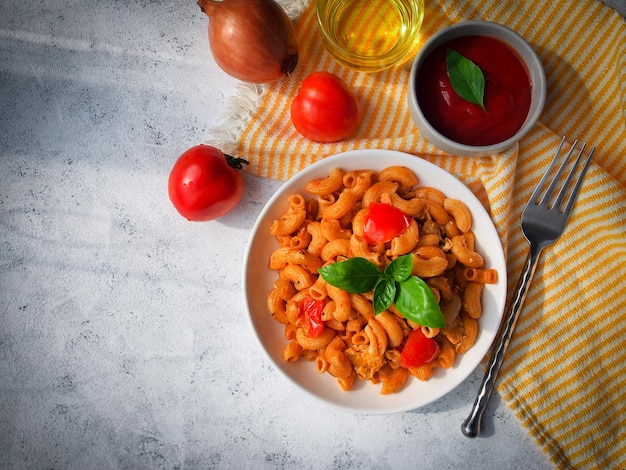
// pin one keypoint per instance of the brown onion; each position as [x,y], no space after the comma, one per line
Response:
[252,40]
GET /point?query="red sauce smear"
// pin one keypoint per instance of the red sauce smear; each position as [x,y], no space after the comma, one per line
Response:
[507,92]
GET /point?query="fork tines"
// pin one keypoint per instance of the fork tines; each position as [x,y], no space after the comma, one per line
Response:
[547,198]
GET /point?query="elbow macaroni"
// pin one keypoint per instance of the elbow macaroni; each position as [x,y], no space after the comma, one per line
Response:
[327,228]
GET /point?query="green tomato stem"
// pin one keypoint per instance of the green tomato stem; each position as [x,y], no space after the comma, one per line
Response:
[236,163]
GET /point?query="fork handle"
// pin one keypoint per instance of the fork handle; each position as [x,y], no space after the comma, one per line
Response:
[471,426]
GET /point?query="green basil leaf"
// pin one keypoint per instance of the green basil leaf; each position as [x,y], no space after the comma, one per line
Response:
[400,268]
[417,303]
[355,275]
[466,78]
[384,294]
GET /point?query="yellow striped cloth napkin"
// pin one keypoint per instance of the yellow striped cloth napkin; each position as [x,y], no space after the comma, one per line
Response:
[564,372]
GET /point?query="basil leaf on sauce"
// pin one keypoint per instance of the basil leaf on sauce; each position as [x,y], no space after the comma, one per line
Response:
[466,78]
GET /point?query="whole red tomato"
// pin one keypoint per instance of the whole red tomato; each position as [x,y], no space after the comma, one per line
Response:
[205,184]
[325,110]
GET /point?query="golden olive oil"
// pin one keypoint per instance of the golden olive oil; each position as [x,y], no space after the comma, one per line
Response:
[370,33]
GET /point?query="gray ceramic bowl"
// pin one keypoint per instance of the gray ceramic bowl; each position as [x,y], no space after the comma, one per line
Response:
[514,41]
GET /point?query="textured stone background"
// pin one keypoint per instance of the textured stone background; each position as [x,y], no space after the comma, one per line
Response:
[123,336]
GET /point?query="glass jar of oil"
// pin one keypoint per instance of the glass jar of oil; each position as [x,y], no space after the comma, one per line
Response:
[370,35]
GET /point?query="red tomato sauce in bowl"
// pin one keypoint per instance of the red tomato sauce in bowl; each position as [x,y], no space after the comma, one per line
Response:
[507,92]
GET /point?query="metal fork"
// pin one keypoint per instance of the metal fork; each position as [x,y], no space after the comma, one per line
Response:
[543,221]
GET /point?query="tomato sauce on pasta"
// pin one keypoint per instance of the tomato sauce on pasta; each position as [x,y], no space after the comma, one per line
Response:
[326,226]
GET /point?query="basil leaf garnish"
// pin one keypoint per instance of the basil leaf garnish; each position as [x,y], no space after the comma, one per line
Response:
[416,302]
[384,294]
[466,78]
[355,275]
[411,295]
[400,268]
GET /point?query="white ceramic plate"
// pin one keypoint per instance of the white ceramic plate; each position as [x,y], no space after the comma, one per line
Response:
[365,397]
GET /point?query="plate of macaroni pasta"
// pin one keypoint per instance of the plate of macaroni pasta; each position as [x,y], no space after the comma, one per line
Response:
[375,281]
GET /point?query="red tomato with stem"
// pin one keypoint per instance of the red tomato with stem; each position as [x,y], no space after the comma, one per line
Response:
[383,222]
[310,316]
[418,350]
[205,184]
[325,110]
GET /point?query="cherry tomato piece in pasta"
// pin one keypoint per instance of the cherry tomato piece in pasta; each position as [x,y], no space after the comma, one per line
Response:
[418,350]
[310,316]
[384,222]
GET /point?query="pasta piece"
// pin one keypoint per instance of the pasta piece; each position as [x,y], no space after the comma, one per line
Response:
[300,277]
[360,248]
[470,332]
[346,383]
[316,343]
[339,364]
[471,299]
[363,183]
[392,379]
[329,184]
[284,256]
[450,229]
[292,219]
[301,239]
[428,239]
[292,352]
[484,276]
[375,192]
[447,353]
[460,213]
[343,306]
[290,331]
[429,332]
[442,284]
[319,289]
[438,213]
[321,363]
[406,241]
[423,372]
[414,207]
[377,338]
[312,209]
[430,267]
[356,324]
[430,194]
[362,305]
[465,254]
[340,207]
[331,230]
[277,306]
[288,223]
[358,222]
[336,325]
[336,248]
[391,326]
[401,175]
[318,240]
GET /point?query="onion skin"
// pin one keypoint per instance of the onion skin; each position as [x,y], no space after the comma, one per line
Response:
[251,40]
